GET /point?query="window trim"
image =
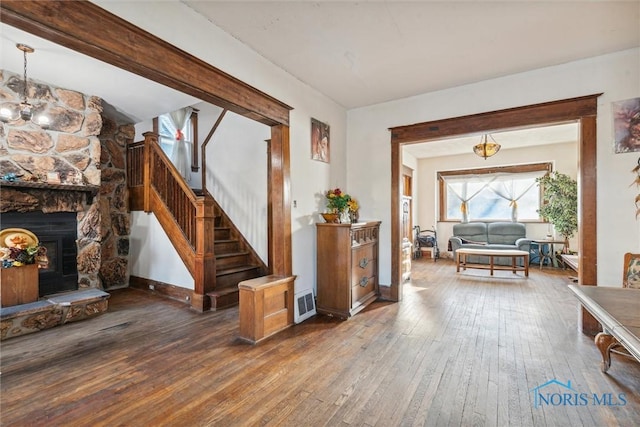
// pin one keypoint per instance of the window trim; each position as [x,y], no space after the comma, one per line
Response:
[522,168]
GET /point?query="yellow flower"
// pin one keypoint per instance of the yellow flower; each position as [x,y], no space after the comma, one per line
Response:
[337,200]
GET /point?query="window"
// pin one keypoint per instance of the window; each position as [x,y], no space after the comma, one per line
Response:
[491,194]
[166,131]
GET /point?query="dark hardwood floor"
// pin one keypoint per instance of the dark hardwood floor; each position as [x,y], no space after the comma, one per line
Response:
[460,349]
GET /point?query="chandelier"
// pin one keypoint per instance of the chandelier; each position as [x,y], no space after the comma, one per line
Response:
[25,109]
[486,148]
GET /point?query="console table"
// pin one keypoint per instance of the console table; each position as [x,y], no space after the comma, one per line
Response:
[617,310]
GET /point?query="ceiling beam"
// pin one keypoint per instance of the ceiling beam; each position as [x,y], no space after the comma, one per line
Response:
[72,24]
[565,110]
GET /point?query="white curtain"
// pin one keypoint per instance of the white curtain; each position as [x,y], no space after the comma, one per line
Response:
[180,155]
[463,195]
[508,191]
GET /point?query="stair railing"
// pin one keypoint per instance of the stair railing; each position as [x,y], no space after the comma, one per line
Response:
[187,219]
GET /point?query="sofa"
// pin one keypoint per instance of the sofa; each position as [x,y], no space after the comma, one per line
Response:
[492,235]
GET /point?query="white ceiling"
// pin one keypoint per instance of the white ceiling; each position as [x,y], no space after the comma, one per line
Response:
[367,52]
[362,53]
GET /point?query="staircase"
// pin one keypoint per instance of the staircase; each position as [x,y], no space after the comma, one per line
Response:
[235,262]
[211,247]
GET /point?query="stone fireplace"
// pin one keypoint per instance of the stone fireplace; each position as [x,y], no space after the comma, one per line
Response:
[86,147]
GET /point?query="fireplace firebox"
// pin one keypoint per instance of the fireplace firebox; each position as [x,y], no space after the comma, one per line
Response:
[58,233]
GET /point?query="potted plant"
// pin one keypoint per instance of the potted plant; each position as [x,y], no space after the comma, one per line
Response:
[339,203]
[560,203]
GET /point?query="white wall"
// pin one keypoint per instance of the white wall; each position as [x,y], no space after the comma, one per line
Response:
[309,178]
[237,176]
[614,75]
[563,156]
[151,253]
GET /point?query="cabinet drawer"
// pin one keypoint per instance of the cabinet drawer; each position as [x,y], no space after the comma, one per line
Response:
[363,257]
[363,288]
[359,273]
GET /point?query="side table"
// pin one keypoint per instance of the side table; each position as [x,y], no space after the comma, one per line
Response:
[550,252]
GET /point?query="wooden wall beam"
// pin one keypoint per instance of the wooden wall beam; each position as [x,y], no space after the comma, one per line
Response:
[279,211]
[587,215]
[73,24]
[545,113]
[396,223]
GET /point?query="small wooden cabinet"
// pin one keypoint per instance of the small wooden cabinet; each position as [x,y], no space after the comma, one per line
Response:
[347,264]
[266,306]
[19,285]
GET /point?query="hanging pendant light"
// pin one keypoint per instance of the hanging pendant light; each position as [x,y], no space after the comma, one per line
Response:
[486,148]
[25,109]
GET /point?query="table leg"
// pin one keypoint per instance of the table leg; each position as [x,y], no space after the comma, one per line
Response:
[526,265]
[513,264]
[491,264]
[457,262]
[541,254]
[549,254]
[604,342]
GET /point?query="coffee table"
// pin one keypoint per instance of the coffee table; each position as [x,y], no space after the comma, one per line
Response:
[617,311]
[461,259]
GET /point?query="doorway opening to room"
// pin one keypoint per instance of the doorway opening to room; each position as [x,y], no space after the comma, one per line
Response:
[581,110]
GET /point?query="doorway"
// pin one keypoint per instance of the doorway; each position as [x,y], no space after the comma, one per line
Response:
[582,110]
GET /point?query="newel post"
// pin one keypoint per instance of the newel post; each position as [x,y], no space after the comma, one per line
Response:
[204,266]
[149,138]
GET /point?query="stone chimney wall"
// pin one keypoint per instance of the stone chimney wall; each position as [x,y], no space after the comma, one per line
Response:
[114,209]
[85,148]
[70,144]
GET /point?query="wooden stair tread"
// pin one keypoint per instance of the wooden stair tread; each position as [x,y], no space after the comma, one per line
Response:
[230,254]
[223,291]
[239,269]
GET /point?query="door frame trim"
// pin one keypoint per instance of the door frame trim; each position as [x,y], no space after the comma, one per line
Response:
[582,110]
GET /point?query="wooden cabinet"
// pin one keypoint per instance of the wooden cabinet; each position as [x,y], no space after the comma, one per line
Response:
[19,285]
[266,306]
[347,263]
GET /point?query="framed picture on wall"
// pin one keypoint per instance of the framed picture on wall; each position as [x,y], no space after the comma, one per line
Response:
[319,141]
[626,125]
